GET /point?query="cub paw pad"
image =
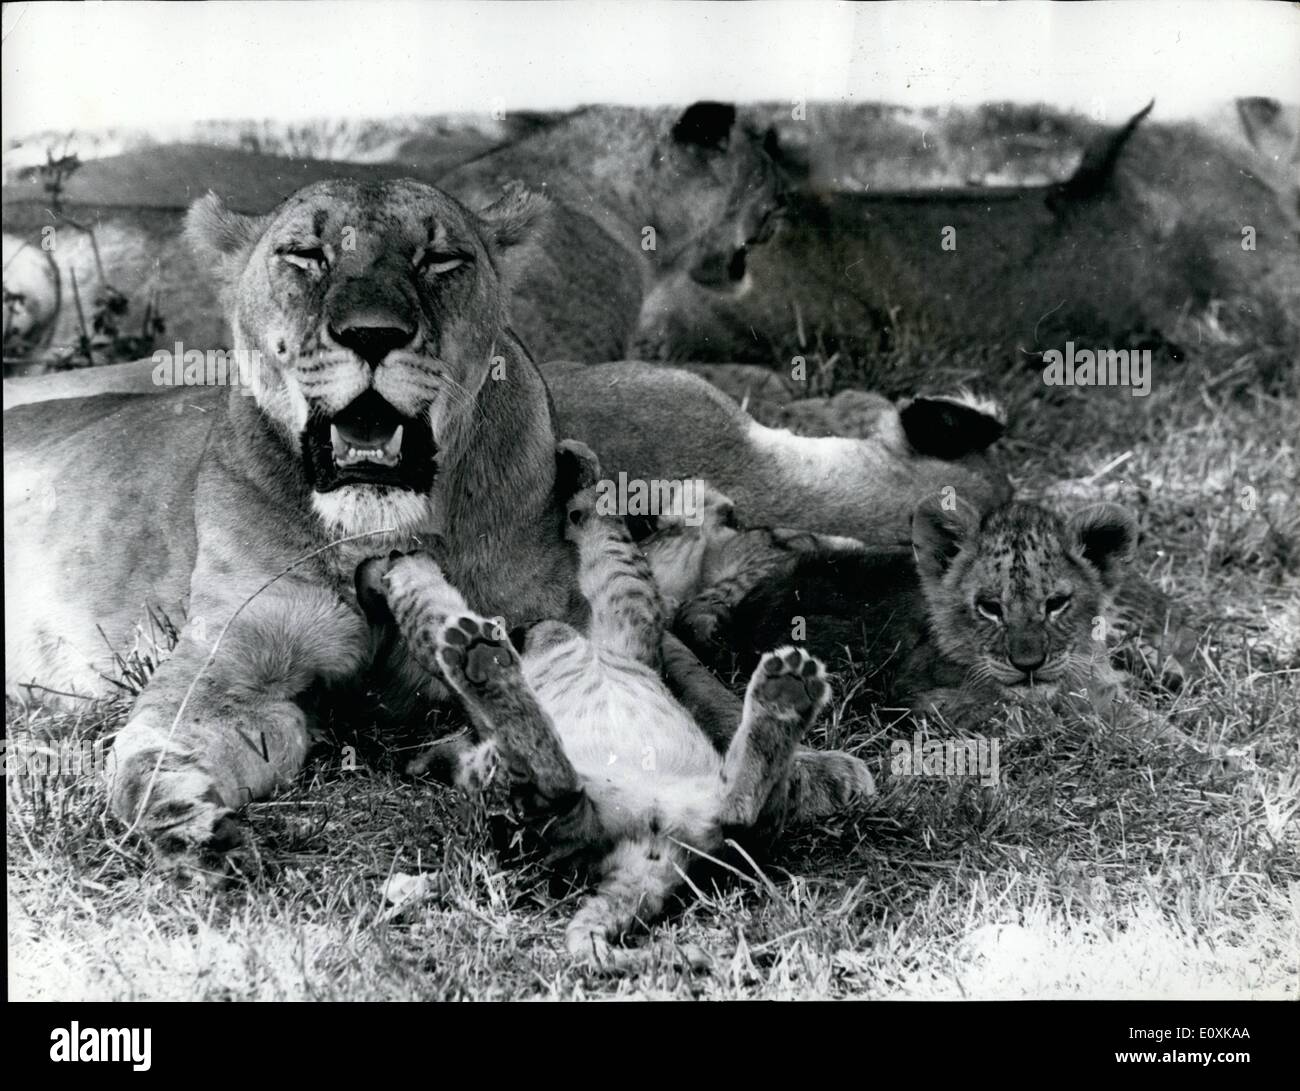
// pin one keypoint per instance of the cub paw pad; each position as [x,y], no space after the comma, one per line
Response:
[792,678]
[477,648]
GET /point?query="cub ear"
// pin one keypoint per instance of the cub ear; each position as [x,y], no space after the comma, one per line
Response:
[706,125]
[215,232]
[941,525]
[515,216]
[1105,534]
[576,468]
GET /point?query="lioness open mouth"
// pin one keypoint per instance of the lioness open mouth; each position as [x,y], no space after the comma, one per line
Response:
[368,443]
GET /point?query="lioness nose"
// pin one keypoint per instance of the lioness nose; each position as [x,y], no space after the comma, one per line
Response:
[372,342]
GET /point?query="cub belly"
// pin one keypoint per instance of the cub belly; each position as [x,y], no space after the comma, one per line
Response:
[630,741]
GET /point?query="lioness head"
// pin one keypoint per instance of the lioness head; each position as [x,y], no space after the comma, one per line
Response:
[1016,596]
[712,190]
[372,313]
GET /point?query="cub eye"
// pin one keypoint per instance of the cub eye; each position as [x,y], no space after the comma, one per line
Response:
[990,608]
[440,261]
[310,258]
[1057,603]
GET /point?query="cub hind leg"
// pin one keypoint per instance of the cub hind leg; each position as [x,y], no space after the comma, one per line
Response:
[821,782]
[786,694]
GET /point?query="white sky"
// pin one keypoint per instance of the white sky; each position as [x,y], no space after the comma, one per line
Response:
[93,65]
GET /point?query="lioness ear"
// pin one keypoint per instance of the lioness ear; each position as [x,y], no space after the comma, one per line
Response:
[1106,535]
[216,232]
[706,125]
[516,215]
[941,525]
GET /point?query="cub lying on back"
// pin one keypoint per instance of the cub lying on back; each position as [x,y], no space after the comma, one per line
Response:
[587,737]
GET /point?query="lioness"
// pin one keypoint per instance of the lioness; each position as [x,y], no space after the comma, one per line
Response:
[1146,231]
[392,405]
[640,195]
[372,421]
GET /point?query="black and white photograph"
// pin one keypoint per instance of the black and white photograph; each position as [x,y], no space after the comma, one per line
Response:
[582,501]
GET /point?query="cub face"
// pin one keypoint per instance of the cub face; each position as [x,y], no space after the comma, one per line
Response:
[370,313]
[1015,596]
[691,531]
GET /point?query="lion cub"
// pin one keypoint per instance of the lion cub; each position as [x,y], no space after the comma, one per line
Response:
[588,738]
[1010,608]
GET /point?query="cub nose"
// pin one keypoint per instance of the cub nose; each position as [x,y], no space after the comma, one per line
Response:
[372,340]
[1027,651]
[1027,659]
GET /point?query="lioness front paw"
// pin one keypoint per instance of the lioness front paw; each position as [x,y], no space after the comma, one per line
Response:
[176,807]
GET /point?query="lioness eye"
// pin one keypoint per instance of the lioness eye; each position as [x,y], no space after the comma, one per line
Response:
[310,258]
[1057,603]
[436,261]
[990,608]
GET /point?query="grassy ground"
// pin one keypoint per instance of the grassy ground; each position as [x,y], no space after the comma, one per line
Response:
[1100,866]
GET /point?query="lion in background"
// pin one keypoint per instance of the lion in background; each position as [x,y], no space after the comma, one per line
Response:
[636,195]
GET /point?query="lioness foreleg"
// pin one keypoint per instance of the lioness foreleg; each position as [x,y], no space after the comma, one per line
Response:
[218,724]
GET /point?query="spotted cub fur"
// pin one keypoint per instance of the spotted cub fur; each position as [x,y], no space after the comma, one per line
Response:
[589,739]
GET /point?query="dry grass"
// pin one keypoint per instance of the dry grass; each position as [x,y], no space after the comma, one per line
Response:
[1101,866]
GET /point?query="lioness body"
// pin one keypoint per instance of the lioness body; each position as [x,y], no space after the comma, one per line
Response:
[657,423]
[271,498]
[1147,230]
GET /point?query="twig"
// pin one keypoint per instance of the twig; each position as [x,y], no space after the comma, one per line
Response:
[1118,460]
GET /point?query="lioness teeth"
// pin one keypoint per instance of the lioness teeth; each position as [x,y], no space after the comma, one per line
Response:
[345,454]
